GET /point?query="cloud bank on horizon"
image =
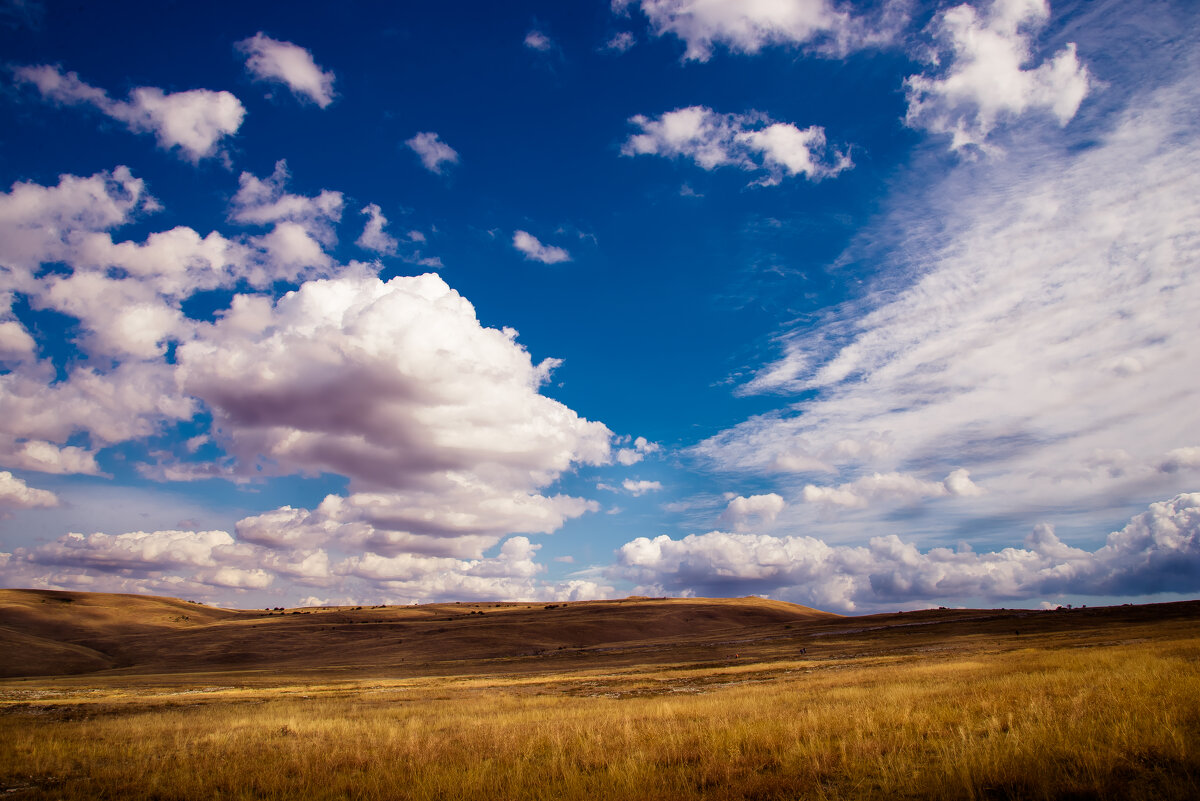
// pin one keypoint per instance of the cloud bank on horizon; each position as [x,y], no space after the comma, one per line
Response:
[962,369]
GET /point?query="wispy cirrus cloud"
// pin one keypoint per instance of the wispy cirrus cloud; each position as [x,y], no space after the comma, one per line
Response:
[1020,352]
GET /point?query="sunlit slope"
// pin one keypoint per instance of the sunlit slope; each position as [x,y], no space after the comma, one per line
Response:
[52,633]
[43,632]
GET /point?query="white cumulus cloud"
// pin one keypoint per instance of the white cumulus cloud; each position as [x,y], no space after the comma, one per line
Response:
[16,494]
[536,40]
[640,487]
[1158,551]
[989,77]
[264,201]
[747,26]
[751,142]
[194,121]
[434,153]
[620,42]
[373,236]
[641,448]
[445,434]
[744,511]
[269,59]
[534,250]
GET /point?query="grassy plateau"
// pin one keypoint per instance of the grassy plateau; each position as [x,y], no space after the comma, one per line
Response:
[115,697]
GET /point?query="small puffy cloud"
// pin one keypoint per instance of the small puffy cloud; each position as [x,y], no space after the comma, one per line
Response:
[16,494]
[536,40]
[747,26]
[1158,551]
[894,487]
[641,448]
[374,237]
[638,488]
[268,59]
[620,42]
[751,142]
[534,250]
[742,512]
[959,484]
[46,457]
[194,121]
[988,76]
[295,249]
[262,201]
[433,151]
[628,456]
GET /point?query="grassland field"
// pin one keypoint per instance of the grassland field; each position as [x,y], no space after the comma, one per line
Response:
[115,697]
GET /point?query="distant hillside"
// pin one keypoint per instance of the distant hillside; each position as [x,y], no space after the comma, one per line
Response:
[55,633]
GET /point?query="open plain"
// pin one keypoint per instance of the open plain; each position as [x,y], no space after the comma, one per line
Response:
[117,696]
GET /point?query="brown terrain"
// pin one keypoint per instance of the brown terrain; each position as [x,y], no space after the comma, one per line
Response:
[49,633]
[645,699]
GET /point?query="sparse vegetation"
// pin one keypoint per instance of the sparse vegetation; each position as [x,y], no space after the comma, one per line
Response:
[1088,704]
[1119,722]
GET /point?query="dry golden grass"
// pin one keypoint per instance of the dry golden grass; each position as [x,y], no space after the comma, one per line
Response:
[1113,720]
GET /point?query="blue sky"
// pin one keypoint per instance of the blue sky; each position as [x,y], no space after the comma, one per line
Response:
[860,305]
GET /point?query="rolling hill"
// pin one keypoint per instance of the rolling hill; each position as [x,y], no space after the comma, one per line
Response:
[51,633]
[46,632]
